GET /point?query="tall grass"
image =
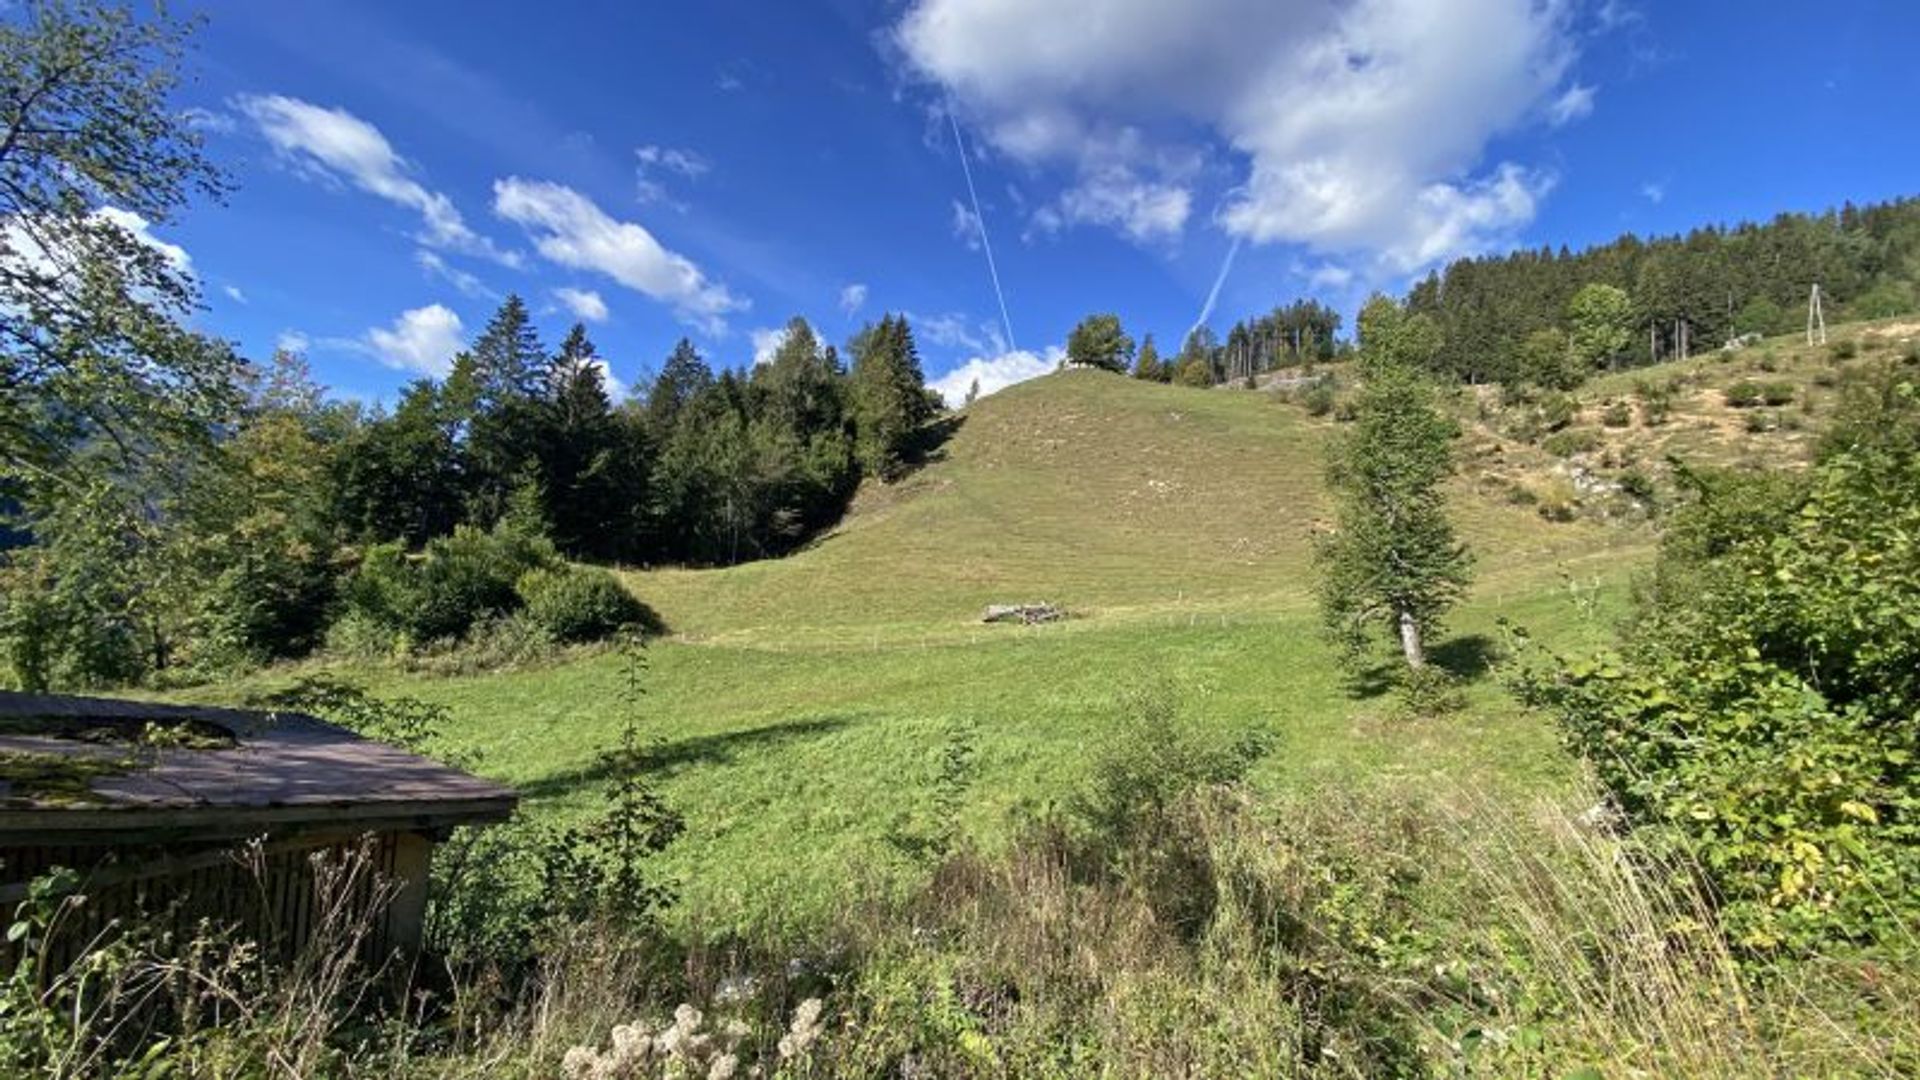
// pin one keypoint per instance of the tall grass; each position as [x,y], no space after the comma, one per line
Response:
[1215,934]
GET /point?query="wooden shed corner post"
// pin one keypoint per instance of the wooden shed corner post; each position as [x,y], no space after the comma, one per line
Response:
[407,916]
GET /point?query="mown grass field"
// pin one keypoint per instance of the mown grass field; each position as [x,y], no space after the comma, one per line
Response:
[801,705]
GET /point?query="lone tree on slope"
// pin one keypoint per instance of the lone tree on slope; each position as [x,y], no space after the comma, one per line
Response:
[1394,566]
[1100,342]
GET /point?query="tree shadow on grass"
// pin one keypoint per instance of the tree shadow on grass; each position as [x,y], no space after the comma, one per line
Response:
[668,758]
[1466,658]
[929,444]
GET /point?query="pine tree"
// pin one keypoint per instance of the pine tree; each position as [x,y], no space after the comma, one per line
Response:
[1394,565]
[576,440]
[889,396]
[506,371]
[1147,365]
[508,360]
[681,379]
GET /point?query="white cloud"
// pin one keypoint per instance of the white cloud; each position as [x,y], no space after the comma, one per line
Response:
[1654,192]
[293,341]
[688,163]
[335,145]
[421,339]
[1329,276]
[207,120]
[966,225]
[585,304]
[1116,197]
[1362,123]
[853,297]
[767,341]
[1573,105]
[995,373]
[234,294]
[570,230]
[654,160]
[468,284]
[955,331]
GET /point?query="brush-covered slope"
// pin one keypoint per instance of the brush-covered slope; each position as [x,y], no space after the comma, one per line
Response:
[1116,498]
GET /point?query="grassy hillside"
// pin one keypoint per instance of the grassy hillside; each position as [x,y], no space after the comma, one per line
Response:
[1123,501]
[802,704]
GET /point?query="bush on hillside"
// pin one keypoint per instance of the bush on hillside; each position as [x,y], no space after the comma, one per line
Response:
[577,603]
[1572,441]
[1744,394]
[451,584]
[1617,415]
[1758,714]
[1318,397]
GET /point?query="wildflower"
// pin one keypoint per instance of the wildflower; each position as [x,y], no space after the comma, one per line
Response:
[578,1063]
[804,1030]
[723,1067]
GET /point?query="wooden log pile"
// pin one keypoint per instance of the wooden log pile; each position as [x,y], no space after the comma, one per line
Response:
[1029,614]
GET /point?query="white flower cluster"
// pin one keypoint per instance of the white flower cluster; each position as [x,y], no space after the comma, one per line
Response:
[682,1051]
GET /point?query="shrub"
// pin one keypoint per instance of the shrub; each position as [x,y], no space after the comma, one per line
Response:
[1556,411]
[1571,441]
[1345,411]
[1637,484]
[1556,499]
[453,583]
[1617,415]
[1757,713]
[576,604]
[1778,393]
[1845,349]
[1155,755]
[1318,398]
[1744,394]
[1759,423]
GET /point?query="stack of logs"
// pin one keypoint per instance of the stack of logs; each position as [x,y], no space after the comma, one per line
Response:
[1028,614]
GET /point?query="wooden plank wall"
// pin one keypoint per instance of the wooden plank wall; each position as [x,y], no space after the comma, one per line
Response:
[282,894]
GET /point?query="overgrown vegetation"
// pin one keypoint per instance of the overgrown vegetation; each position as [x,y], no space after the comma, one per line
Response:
[1757,714]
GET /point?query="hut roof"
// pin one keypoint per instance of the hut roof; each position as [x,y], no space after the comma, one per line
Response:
[74,769]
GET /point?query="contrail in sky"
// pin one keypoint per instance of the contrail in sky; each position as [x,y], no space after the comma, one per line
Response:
[1213,294]
[980,223]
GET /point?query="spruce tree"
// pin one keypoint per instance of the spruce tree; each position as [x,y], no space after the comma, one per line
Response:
[1147,364]
[576,443]
[889,396]
[681,379]
[1394,565]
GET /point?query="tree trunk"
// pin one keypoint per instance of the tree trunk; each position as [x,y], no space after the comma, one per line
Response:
[1410,641]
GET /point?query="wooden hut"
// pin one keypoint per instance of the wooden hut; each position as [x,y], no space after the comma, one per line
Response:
[188,813]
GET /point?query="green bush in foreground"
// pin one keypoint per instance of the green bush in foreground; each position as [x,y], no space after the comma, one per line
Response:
[1759,715]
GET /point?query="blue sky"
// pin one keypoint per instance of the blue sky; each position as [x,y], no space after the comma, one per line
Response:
[714,169]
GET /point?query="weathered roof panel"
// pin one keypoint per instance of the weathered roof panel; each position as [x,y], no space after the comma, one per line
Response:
[292,765]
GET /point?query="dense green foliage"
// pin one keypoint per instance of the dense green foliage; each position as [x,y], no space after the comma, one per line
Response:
[1684,293]
[97,371]
[578,603]
[1759,713]
[454,582]
[1098,341]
